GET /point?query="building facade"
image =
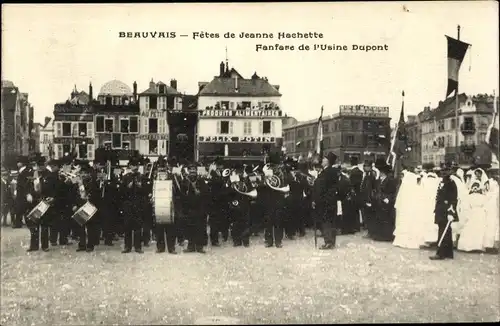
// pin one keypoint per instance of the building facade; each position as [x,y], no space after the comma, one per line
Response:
[361,131]
[46,138]
[74,127]
[154,104]
[117,118]
[439,128]
[239,118]
[15,121]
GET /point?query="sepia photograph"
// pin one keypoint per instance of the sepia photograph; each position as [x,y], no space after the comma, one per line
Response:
[250,163]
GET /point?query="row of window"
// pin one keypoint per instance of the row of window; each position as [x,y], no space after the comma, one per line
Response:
[266,127]
[336,126]
[449,141]
[449,124]
[83,151]
[229,105]
[157,102]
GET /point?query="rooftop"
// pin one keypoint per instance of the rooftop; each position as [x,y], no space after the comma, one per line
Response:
[115,88]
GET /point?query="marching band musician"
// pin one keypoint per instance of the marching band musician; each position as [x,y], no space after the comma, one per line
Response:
[274,203]
[195,218]
[88,234]
[20,194]
[39,189]
[166,232]
[305,204]
[132,190]
[325,199]
[218,210]
[294,200]
[147,182]
[238,211]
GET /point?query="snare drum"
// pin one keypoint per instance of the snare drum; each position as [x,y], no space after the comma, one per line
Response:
[84,213]
[36,213]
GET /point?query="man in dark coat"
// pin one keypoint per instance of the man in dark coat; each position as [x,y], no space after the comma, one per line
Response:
[445,212]
[355,179]
[218,209]
[325,199]
[385,218]
[132,190]
[21,204]
[195,223]
[366,195]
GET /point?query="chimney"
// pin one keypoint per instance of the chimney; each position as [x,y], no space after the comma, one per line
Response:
[221,69]
[135,91]
[90,92]
[236,83]
[173,84]
[152,84]
[227,66]
[46,121]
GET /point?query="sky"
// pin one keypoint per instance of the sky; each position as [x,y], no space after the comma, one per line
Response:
[47,49]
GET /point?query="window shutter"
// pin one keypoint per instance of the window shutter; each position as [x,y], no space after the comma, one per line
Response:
[90,129]
[90,152]
[218,127]
[74,129]
[146,147]
[146,102]
[146,125]
[161,128]
[231,125]
[261,127]
[272,128]
[58,126]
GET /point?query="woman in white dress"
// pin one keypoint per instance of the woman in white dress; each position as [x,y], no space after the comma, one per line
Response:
[408,232]
[474,229]
[430,185]
[462,205]
[492,235]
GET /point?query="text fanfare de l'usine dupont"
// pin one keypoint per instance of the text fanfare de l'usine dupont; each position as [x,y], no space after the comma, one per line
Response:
[208,35]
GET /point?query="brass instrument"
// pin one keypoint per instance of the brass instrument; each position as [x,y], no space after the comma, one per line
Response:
[275,179]
[238,183]
[299,175]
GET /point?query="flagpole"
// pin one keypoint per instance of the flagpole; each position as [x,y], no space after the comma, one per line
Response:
[457,148]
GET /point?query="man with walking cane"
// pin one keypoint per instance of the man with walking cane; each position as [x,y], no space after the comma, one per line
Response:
[445,213]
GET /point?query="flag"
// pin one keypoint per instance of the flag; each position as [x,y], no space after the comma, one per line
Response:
[319,135]
[492,134]
[456,54]
[399,139]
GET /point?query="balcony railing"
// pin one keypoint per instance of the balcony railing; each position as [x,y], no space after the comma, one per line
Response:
[468,129]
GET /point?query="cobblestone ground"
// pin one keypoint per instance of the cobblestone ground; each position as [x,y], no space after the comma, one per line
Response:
[360,281]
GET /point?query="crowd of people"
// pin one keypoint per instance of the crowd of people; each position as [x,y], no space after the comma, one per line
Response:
[280,197]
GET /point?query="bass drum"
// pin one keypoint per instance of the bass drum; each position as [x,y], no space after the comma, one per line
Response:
[163,204]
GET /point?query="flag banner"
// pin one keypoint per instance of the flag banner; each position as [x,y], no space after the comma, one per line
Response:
[456,54]
[319,135]
[399,139]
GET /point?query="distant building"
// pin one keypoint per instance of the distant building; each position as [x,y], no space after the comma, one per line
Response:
[239,118]
[439,128]
[117,118]
[74,127]
[46,138]
[154,104]
[16,120]
[35,134]
[361,131]
[413,126]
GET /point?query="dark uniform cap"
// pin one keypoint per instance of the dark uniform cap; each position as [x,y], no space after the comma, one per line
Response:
[367,163]
[23,159]
[332,158]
